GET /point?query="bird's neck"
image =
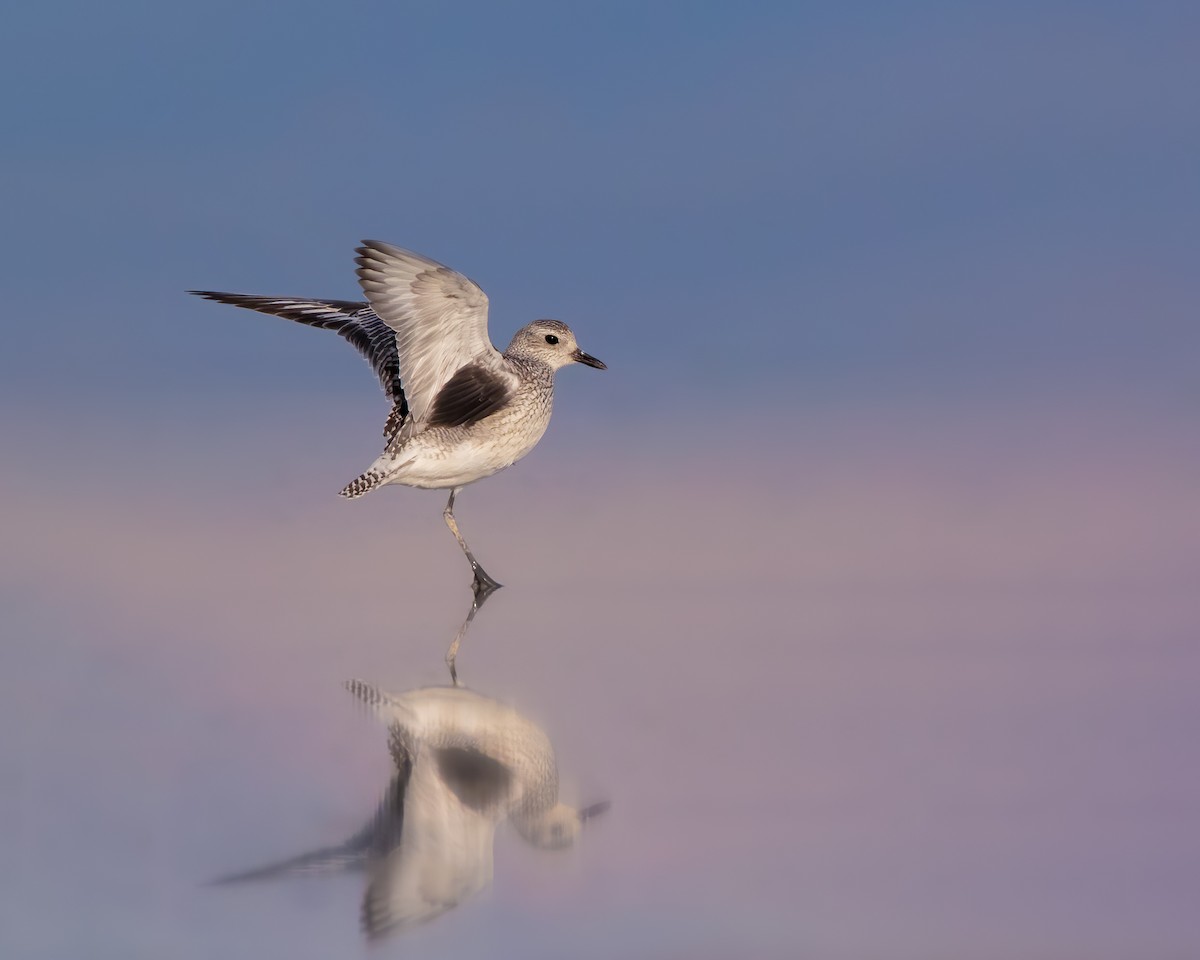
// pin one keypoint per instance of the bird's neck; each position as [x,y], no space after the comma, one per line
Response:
[531,367]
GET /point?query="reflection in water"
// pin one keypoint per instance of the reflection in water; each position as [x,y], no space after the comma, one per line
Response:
[464,763]
[481,597]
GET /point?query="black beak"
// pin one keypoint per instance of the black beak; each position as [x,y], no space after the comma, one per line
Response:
[580,357]
[596,808]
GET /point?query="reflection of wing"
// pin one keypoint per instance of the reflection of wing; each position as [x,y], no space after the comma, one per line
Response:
[377,838]
[445,851]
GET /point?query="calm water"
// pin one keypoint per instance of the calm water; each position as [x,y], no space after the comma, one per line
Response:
[921,700]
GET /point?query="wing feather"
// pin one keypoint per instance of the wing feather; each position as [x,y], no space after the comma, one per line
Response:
[354,321]
[473,393]
[444,858]
[439,318]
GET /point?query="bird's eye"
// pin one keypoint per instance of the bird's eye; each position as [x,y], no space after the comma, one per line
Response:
[551,338]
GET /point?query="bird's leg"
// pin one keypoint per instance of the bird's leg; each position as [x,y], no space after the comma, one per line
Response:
[481,597]
[482,583]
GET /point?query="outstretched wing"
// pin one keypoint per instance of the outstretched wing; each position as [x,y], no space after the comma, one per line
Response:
[354,321]
[376,839]
[440,322]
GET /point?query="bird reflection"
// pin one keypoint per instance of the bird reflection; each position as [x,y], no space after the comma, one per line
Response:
[464,763]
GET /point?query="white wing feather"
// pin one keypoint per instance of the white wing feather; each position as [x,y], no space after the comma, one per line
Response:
[439,316]
[444,857]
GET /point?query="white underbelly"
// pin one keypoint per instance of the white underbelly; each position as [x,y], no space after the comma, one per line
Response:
[429,462]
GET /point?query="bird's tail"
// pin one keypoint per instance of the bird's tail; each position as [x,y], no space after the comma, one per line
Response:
[383,705]
[363,484]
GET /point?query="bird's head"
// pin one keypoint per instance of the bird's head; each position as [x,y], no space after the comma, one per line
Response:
[551,342]
[558,827]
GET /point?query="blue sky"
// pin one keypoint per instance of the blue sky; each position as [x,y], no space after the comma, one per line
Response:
[794,203]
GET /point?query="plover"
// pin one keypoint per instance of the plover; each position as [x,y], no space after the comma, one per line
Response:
[461,409]
[464,764]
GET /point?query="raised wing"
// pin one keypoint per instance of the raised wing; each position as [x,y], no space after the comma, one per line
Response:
[439,318]
[354,321]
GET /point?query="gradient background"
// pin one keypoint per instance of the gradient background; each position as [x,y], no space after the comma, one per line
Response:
[863,583]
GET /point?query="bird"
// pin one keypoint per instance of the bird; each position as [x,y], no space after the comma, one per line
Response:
[461,410]
[464,763]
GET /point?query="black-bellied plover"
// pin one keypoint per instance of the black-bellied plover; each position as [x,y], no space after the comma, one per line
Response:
[464,764]
[461,410]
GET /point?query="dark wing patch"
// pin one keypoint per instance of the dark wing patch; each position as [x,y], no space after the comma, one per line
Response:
[479,781]
[470,395]
[354,321]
